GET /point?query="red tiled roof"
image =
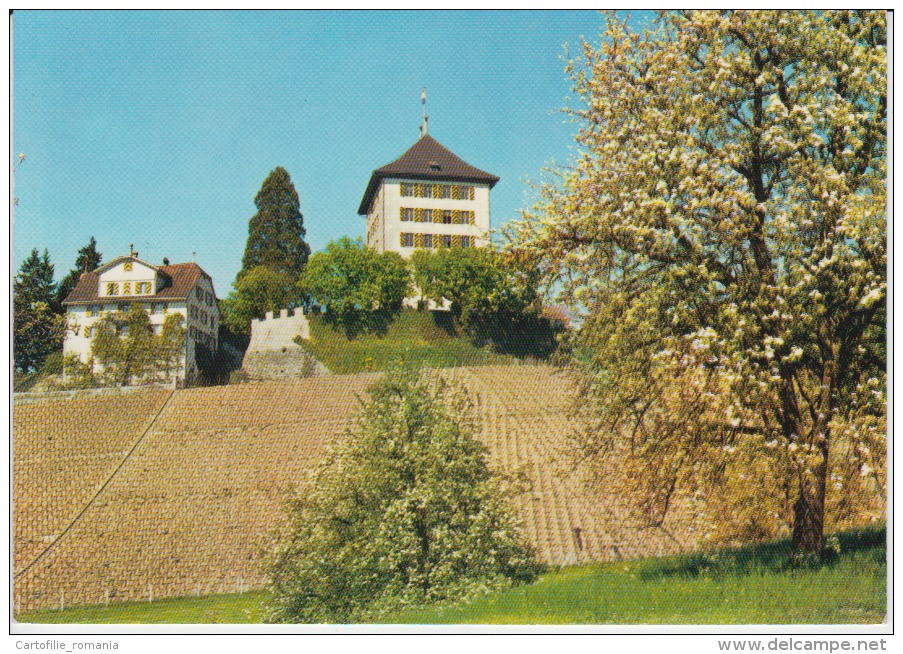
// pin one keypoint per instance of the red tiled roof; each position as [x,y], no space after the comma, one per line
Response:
[179,280]
[426,159]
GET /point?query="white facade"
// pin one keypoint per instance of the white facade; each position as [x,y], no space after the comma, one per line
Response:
[181,289]
[407,214]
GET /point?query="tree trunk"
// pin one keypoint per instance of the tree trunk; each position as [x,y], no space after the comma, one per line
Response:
[809,509]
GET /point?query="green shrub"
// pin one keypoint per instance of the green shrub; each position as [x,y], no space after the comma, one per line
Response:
[405,512]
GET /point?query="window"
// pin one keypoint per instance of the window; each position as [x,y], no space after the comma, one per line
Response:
[127,266]
[112,288]
[165,307]
[126,288]
[407,190]
[90,312]
[465,241]
[465,192]
[407,240]
[123,308]
[157,329]
[427,215]
[447,217]
[142,288]
[427,240]
[446,191]
[154,308]
[124,330]
[407,214]
[447,241]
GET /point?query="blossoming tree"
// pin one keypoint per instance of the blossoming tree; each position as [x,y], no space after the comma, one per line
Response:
[724,226]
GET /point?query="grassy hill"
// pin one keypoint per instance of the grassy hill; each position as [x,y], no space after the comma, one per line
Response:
[750,585]
[420,337]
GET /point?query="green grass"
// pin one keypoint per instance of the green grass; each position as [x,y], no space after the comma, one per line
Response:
[750,585]
[413,337]
[208,609]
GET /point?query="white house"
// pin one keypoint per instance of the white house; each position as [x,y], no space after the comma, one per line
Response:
[427,198]
[115,287]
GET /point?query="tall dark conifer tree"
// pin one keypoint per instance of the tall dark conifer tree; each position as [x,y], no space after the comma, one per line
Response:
[276,232]
[37,331]
[87,260]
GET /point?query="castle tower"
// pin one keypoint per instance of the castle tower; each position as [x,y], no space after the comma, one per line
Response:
[427,198]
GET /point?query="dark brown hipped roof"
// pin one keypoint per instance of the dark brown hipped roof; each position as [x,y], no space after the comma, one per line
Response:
[180,280]
[426,159]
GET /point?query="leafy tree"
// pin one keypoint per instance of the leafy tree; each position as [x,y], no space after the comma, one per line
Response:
[360,287]
[128,349]
[88,259]
[37,330]
[725,226]
[276,232]
[493,296]
[404,512]
[476,281]
[260,290]
[169,346]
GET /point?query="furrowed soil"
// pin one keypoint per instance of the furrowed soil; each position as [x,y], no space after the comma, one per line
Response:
[162,494]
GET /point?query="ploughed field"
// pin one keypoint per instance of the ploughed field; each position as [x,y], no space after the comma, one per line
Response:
[157,494]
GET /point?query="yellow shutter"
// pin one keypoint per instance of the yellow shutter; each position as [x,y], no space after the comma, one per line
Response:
[418,240]
[456,217]
[437,215]
[418,190]
[418,215]
[470,218]
[401,214]
[456,192]
[436,192]
[456,241]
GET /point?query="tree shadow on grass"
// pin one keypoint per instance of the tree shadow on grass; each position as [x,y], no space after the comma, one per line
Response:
[357,323]
[774,557]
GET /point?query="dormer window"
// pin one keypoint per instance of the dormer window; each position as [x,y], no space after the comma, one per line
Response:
[434,165]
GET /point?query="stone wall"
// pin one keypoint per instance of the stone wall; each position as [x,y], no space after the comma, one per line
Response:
[273,352]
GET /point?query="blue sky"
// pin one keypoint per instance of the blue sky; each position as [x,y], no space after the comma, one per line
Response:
[158,128]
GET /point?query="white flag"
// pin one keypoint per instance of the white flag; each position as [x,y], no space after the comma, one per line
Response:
[423,95]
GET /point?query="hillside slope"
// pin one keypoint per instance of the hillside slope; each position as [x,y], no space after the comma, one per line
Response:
[191,507]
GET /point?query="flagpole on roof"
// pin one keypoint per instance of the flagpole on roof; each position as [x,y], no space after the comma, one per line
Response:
[424,127]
